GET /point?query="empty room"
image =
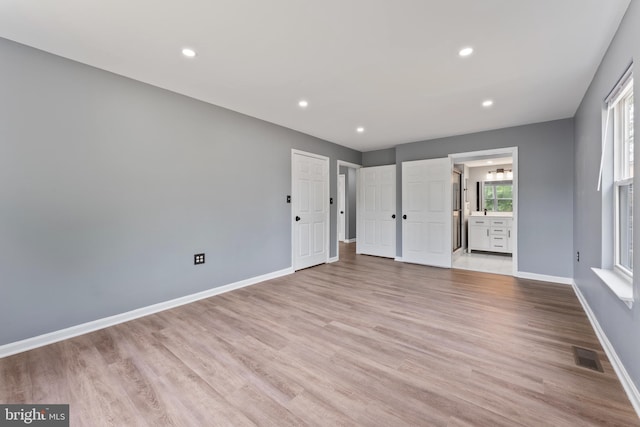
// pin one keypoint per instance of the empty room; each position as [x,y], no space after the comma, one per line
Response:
[356,213]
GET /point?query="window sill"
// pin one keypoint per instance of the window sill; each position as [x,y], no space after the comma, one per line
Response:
[619,284]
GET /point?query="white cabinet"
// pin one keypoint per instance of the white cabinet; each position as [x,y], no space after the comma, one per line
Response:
[490,234]
[479,238]
[500,232]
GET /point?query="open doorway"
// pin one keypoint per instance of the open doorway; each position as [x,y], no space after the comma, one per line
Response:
[457,201]
[346,207]
[487,211]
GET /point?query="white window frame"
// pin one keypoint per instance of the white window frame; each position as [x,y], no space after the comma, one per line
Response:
[621,178]
[618,278]
[617,236]
[495,197]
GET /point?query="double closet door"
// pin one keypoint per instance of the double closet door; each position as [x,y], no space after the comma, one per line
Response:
[425,215]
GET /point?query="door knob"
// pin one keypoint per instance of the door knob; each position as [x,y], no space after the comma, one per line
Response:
[393,216]
[404,217]
[297,218]
[341,212]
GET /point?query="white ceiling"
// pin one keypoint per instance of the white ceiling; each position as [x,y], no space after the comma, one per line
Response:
[390,66]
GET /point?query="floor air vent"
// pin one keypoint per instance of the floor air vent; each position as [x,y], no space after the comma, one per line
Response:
[587,358]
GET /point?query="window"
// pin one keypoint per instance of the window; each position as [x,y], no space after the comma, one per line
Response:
[498,196]
[616,182]
[623,148]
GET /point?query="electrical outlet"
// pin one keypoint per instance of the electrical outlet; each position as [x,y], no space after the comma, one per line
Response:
[198,259]
[578,256]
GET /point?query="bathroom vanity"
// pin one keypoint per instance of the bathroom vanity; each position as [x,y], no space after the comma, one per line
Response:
[491,232]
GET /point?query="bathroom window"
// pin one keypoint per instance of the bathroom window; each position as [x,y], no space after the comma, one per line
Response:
[498,196]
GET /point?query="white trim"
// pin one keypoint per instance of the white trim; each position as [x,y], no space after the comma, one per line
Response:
[84,328]
[349,240]
[483,153]
[308,154]
[348,164]
[399,259]
[544,277]
[629,387]
[620,87]
[620,284]
[334,259]
[619,141]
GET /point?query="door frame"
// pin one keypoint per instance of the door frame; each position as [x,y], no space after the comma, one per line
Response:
[327,232]
[342,220]
[352,166]
[500,152]
[461,216]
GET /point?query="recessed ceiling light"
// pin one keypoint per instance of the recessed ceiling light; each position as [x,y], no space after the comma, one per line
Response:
[465,51]
[487,103]
[303,103]
[189,53]
[359,129]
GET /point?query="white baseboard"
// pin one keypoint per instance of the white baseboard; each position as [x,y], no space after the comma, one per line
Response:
[333,259]
[84,328]
[349,240]
[398,258]
[544,278]
[629,387]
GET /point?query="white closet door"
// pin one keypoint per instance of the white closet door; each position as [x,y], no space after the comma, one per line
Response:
[426,212]
[376,225]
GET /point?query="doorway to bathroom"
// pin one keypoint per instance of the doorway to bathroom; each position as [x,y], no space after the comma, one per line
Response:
[484,211]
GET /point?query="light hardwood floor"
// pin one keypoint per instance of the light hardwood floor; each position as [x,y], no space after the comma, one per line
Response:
[364,341]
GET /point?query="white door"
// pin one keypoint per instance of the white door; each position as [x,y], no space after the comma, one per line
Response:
[342,214]
[310,205]
[426,216]
[376,226]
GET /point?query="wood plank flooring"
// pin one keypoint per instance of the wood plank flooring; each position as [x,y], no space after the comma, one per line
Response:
[364,341]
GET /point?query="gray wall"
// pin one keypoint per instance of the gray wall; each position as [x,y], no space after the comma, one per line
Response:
[350,202]
[109,186]
[545,187]
[620,324]
[379,157]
